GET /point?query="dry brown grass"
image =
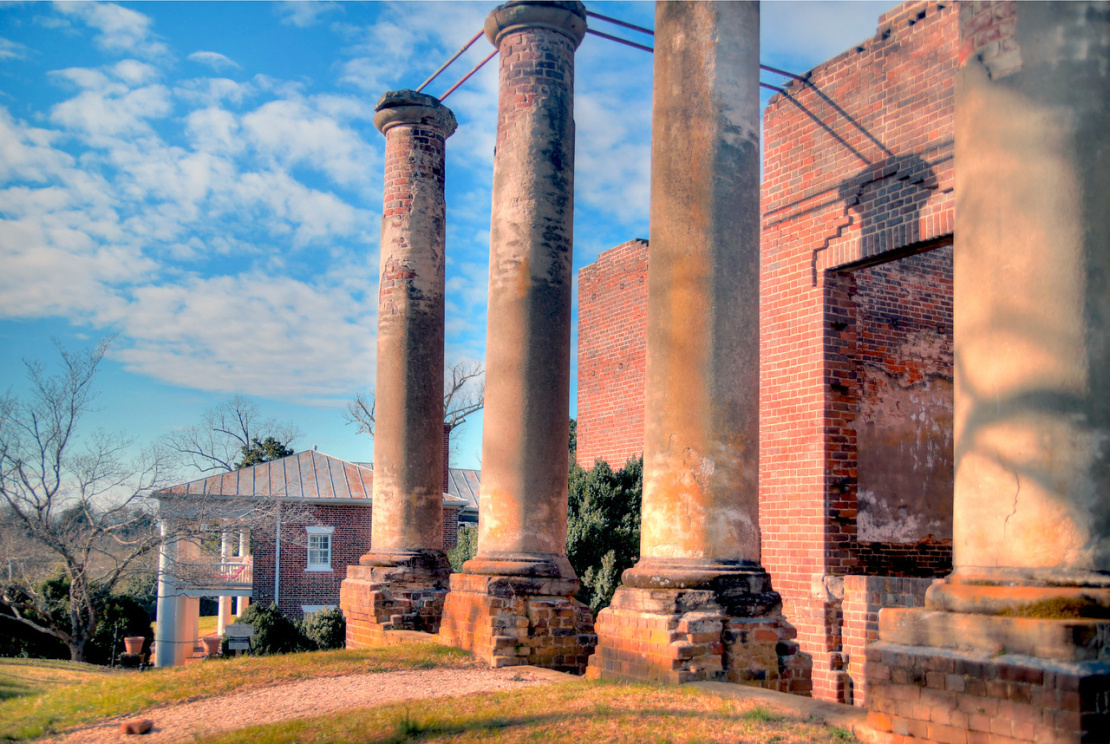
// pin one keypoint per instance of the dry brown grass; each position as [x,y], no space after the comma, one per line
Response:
[579,711]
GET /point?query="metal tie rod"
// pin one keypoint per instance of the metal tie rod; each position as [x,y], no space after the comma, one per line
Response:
[455,56]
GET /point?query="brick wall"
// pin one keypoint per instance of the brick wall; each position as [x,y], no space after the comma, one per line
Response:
[858,169]
[864,596]
[450,527]
[612,344]
[350,540]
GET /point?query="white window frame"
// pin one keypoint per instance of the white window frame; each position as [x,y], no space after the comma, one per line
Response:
[318,566]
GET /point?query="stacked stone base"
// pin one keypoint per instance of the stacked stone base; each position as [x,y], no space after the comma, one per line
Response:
[677,647]
[513,620]
[373,607]
[977,690]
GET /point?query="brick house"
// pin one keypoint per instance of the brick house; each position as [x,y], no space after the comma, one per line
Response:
[321,525]
[856,381]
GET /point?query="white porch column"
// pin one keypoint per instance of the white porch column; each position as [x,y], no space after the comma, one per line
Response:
[224,612]
[166,632]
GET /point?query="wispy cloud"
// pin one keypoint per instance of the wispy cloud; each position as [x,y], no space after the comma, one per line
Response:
[305,13]
[215,60]
[120,30]
[12,49]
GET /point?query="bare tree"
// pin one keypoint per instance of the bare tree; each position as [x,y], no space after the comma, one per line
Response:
[226,433]
[78,506]
[464,393]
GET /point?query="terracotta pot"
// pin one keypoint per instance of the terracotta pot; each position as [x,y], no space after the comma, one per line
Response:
[134,644]
[211,645]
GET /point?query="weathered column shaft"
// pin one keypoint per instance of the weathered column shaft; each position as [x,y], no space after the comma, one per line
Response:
[223,614]
[1029,599]
[701,430]
[525,424]
[698,583]
[521,574]
[401,583]
[1032,289]
[408,426]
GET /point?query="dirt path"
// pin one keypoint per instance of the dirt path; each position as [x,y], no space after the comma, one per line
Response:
[185,721]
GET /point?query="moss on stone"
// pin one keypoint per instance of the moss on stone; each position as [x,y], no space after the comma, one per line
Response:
[1059,608]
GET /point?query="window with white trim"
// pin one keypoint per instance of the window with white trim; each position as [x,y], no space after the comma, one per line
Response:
[319,548]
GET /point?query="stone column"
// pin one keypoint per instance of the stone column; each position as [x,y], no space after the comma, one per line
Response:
[1030,593]
[699,596]
[223,616]
[401,582]
[523,510]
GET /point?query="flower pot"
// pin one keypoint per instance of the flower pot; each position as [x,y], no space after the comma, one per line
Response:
[134,644]
[211,645]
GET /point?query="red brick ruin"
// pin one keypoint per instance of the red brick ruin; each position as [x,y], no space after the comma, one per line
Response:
[870,390]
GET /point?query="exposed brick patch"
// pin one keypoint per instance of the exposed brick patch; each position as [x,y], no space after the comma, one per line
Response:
[934,695]
[490,617]
[612,348]
[864,596]
[373,607]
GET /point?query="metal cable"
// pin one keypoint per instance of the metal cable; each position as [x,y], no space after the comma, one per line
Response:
[467,75]
[445,65]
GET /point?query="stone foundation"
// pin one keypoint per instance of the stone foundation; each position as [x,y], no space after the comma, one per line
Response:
[639,640]
[952,677]
[516,620]
[377,599]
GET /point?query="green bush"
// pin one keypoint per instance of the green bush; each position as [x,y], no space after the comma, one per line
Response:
[119,616]
[603,527]
[326,628]
[274,633]
[465,548]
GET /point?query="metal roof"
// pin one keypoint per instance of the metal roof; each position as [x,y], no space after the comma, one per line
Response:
[312,476]
[465,485]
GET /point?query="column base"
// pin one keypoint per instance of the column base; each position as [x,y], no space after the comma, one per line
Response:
[393,591]
[516,620]
[727,626]
[940,676]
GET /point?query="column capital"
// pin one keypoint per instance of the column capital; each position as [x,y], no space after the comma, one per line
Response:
[409,107]
[568,18]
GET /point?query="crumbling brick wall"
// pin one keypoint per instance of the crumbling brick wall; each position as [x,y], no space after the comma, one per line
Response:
[612,346]
[858,170]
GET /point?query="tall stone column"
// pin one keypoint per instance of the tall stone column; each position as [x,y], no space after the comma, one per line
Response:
[514,600]
[1029,598]
[698,604]
[400,584]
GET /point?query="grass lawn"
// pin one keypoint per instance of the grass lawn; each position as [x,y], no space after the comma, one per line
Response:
[207,625]
[574,712]
[39,697]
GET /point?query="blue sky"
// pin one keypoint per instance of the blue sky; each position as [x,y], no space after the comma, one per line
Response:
[202,180]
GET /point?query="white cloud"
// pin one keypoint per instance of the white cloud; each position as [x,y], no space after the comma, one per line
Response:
[113,111]
[121,30]
[213,91]
[304,13]
[294,133]
[12,49]
[252,333]
[215,60]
